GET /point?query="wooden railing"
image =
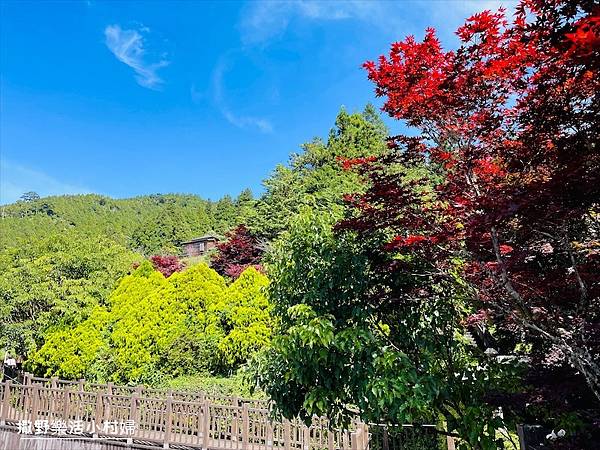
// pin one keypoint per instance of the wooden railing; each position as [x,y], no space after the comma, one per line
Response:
[143,391]
[165,418]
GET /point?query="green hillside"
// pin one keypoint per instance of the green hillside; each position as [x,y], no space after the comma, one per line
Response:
[63,259]
[147,224]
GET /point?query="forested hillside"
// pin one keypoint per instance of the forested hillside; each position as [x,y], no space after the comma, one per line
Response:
[147,224]
[78,298]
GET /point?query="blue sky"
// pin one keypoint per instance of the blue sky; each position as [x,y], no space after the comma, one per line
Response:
[131,98]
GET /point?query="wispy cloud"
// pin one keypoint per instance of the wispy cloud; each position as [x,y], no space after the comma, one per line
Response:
[16,179]
[129,48]
[456,11]
[262,21]
[480,5]
[240,121]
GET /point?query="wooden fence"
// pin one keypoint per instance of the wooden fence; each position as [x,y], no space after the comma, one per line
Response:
[142,416]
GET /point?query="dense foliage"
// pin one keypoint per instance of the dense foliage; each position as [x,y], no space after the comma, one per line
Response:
[511,122]
[240,249]
[479,236]
[155,327]
[314,177]
[55,279]
[62,257]
[167,265]
[230,385]
[350,339]
[149,224]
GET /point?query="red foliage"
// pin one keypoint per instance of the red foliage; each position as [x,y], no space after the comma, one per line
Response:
[585,39]
[241,250]
[511,120]
[349,163]
[235,270]
[167,265]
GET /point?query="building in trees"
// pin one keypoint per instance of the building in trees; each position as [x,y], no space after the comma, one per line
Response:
[200,245]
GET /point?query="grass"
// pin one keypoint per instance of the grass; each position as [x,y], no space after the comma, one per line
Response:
[234,385]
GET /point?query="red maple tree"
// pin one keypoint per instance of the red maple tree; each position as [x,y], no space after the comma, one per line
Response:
[241,250]
[509,126]
[167,265]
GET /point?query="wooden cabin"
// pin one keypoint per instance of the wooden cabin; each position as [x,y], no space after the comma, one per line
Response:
[199,246]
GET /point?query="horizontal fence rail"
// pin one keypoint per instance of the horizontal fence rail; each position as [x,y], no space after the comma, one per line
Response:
[163,418]
[142,391]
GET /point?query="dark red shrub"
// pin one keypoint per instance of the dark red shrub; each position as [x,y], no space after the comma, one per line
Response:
[241,250]
[167,265]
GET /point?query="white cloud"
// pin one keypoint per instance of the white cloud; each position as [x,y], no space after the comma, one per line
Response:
[265,20]
[16,180]
[459,10]
[492,5]
[240,121]
[128,47]
[262,125]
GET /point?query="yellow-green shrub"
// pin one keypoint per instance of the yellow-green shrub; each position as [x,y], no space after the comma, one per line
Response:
[191,322]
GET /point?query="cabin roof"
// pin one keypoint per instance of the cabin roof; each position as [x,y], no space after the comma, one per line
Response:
[206,237]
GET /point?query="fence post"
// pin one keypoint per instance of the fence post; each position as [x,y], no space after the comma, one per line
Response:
[286,434]
[306,437]
[330,437]
[109,393]
[451,443]
[81,387]
[245,426]
[235,425]
[25,393]
[521,434]
[385,438]
[169,420]
[269,437]
[52,393]
[66,404]
[35,390]
[357,438]
[138,395]
[98,415]
[5,403]
[133,412]
[206,425]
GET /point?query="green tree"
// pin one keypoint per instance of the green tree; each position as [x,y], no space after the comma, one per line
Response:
[164,232]
[225,214]
[394,359]
[315,177]
[245,204]
[54,281]
[245,317]
[155,327]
